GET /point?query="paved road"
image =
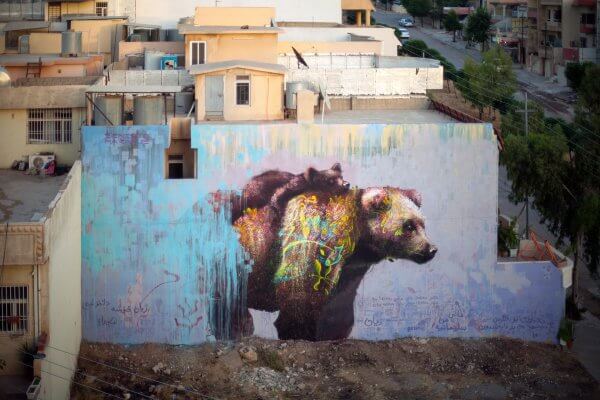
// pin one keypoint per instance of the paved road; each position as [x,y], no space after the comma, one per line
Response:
[550,95]
[455,56]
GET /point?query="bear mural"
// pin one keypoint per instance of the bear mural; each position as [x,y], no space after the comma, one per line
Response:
[308,262]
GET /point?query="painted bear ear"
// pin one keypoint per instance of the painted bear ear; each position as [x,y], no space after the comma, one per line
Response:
[337,167]
[310,174]
[375,199]
[414,196]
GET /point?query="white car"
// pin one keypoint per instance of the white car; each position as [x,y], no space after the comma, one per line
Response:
[406,22]
[404,33]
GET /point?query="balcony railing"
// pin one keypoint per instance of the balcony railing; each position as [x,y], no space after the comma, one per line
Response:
[584,3]
[552,26]
[587,28]
[551,2]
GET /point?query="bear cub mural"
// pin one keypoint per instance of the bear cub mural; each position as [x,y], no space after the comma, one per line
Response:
[275,188]
[311,245]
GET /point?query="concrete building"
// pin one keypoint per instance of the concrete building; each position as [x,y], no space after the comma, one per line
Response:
[42,116]
[561,31]
[40,282]
[510,25]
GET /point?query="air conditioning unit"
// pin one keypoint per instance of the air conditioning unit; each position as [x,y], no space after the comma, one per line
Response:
[38,161]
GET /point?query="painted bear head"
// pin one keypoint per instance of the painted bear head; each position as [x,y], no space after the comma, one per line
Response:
[394,225]
[328,180]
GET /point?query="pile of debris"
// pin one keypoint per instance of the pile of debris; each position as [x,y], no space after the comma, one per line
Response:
[263,369]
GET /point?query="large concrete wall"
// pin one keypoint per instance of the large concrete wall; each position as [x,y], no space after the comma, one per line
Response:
[163,263]
[63,245]
[168,14]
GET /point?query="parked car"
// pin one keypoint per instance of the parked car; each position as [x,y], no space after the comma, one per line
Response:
[404,33]
[406,22]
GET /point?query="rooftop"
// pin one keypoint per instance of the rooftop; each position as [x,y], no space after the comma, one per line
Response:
[71,96]
[231,64]
[186,29]
[26,198]
[21,60]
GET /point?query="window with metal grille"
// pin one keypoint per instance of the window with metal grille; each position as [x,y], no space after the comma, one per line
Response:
[14,309]
[50,125]
[242,90]
[53,11]
[102,8]
[197,53]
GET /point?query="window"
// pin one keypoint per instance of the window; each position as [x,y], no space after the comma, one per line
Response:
[588,19]
[53,11]
[50,125]
[242,90]
[554,15]
[180,160]
[197,53]
[14,309]
[102,8]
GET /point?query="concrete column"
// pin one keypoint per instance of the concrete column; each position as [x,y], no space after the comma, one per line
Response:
[359,18]
[368,17]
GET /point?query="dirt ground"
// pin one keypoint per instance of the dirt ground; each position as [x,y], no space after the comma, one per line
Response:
[401,369]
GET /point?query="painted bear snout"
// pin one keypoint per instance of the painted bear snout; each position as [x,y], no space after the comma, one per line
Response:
[426,255]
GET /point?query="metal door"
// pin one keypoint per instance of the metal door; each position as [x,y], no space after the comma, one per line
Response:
[214,95]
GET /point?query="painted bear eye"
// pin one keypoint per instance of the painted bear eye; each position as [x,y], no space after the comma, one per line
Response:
[409,226]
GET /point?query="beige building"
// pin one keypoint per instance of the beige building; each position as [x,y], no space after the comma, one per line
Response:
[232,53]
[561,31]
[45,116]
[40,281]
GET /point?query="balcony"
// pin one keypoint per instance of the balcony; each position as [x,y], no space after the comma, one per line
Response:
[584,3]
[532,13]
[555,26]
[551,2]
[587,28]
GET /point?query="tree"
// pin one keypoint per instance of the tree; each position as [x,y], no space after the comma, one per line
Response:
[452,24]
[490,83]
[478,27]
[418,8]
[557,166]
[575,72]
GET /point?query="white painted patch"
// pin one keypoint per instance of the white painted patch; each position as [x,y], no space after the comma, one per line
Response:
[264,324]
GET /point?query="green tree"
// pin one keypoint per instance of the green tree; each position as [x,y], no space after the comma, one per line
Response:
[478,27]
[452,24]
[418,8]
[490,83]
[574,72]
[557,166]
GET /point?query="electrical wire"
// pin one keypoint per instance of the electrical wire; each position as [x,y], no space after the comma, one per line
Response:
[133,373]
[75,382]
[4,251]
[122,388]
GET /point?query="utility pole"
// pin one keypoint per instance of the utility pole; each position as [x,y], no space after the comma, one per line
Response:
[526,111]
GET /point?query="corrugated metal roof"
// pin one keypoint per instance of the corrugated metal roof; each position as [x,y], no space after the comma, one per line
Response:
[253,65]
[16,98]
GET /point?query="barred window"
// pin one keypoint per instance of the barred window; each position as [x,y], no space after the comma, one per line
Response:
[50,125]
[242,90]
[14,309]
[102,8]
[54,11]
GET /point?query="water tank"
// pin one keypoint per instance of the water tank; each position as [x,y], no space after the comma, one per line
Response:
[183,102]
[4,77]
[71,44]
[112,107]
[148,110]
[173,35]
[152,60]
[290,93]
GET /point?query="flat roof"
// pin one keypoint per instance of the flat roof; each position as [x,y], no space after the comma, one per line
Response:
[133,89]
[26,198]
[58,81]
[253,65]
[24,97]
[357,5]
[25,25]
[21,60]
[90,17]
[187,28]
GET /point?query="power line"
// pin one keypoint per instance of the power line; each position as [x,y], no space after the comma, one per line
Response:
[133,373]
[75,382]
[122,388]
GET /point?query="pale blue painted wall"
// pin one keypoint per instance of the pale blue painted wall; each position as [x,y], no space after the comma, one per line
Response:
[154,248]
